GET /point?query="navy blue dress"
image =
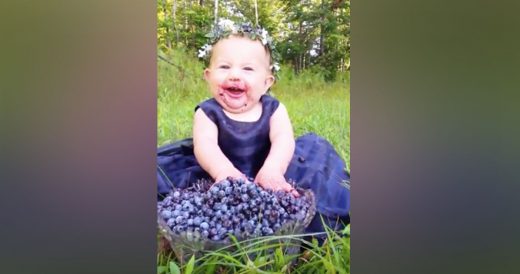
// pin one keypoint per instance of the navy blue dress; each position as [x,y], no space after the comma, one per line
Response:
[315,164]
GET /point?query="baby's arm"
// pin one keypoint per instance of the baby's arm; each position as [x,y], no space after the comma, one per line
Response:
[271,175]
[206,149]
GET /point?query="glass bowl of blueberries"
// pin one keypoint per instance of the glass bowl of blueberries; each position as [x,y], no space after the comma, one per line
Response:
[208,216]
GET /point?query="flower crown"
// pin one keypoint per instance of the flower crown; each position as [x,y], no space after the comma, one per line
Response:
[226,27]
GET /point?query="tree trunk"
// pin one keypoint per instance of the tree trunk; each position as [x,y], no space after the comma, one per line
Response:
[322,38]
[215,16]
[174,20]
[302,61]
[167,34]
[300,40]
[185,24]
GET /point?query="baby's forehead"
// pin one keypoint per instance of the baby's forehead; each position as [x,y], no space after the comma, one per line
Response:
[233,41]
[244,41]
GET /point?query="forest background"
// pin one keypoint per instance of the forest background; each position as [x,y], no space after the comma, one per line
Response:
[310,34]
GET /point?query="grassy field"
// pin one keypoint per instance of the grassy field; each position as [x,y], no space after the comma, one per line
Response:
[313,105]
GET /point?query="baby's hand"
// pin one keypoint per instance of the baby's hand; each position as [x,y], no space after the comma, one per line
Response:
[229,172]
[273,179]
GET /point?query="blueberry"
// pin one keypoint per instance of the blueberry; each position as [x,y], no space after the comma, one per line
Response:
[243,189]
[197,221]
[221,193]
[236,190]
[227,223]
[267,231]
[204,233]
[214,190]
[235,220]
[198,201]
[204,226]
[224,217]
[170,222]
[166,214]
[222,232]
[265,222]
[213,231]
[228,190]
[225,183]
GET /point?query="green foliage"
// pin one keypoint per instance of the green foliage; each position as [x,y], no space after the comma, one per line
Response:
[309,33]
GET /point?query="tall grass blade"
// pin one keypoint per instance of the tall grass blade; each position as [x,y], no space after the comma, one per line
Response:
[190,265]
[174,269]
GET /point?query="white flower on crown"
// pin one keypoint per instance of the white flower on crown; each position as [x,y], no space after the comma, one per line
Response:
[204,50]
[264,34]
[276,67]
[227,24]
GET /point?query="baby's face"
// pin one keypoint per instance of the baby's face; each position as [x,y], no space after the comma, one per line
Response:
[238,74]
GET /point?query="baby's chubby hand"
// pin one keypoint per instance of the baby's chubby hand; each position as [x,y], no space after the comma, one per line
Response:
[229,172]
[271,178]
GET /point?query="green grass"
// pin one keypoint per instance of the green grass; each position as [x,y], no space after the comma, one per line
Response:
[314,106]
[267,255]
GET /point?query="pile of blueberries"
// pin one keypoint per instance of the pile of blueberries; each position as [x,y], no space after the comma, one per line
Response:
[232,206]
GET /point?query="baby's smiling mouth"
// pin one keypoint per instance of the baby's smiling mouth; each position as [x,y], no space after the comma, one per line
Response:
[233,91]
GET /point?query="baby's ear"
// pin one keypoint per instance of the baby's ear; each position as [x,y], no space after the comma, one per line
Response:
[269,81]
[207,73]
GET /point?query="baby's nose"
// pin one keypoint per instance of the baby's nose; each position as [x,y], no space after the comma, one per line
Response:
[234,75]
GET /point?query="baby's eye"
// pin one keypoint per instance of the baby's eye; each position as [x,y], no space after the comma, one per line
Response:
[248,68]
[223,66]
